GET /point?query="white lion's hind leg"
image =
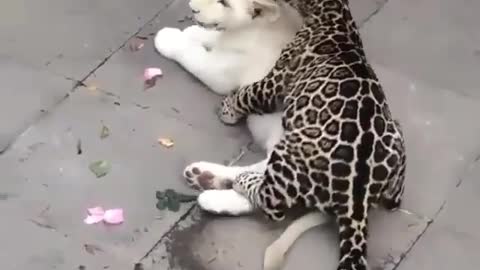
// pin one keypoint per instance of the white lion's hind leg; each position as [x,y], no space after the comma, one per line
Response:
[225,201]
[275,253]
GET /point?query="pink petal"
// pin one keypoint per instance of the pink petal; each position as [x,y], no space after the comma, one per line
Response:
[92,219]
[96,211]
[151,73]
[113,216]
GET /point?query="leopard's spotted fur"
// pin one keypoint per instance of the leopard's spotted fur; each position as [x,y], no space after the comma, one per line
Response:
[341,152]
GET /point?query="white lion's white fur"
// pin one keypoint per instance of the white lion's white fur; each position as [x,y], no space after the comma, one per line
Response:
[275,253]
[232,50]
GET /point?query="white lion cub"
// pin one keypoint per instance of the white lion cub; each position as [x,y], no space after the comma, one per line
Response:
[236,43]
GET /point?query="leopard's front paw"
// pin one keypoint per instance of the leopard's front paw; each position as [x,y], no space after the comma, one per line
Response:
[227,113]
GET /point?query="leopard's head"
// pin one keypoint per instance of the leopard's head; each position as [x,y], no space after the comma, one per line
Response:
[233,14]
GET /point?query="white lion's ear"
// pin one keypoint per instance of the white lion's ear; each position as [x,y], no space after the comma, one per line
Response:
[266,8]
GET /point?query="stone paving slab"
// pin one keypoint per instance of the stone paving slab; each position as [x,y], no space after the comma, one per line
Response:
[451,242]
[26,94]
[48,173]
[70,37]
[438,154]
[46,45]
[362,10]
[425,53]
[435,41]
[29,244]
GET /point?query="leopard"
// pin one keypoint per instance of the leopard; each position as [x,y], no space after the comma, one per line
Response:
[341,152]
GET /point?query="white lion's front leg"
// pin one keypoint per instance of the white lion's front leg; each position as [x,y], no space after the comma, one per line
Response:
[199,34]
[219,69]
[171,42]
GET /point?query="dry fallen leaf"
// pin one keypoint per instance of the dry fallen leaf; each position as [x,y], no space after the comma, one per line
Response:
[105,132]
[91,248]
[92,87]
[138,266]
[100,168]
[136,44]
[166,142]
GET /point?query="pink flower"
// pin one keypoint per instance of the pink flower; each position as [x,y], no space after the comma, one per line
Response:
[110,216]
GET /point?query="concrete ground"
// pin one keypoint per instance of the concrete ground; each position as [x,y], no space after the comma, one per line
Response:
[66,70]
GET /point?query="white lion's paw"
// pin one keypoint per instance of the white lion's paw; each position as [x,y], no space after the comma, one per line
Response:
[195,33]
[206,175]
[226,202]
[200,35]
[274,258]
[170,42]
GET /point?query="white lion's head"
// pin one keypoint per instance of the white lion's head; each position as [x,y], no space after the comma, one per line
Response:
[231,14]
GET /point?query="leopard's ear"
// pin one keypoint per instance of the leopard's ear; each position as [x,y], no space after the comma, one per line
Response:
[266,8]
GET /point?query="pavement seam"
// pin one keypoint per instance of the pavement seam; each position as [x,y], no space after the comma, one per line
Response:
[375,12]
[404,254]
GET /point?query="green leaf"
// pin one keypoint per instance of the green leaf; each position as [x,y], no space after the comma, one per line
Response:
[173,204]
[105,132]
[160,195]
[170,193]
[171,199]
[162,204]
[100,168]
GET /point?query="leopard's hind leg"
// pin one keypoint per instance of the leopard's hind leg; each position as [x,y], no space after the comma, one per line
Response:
[391,197]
